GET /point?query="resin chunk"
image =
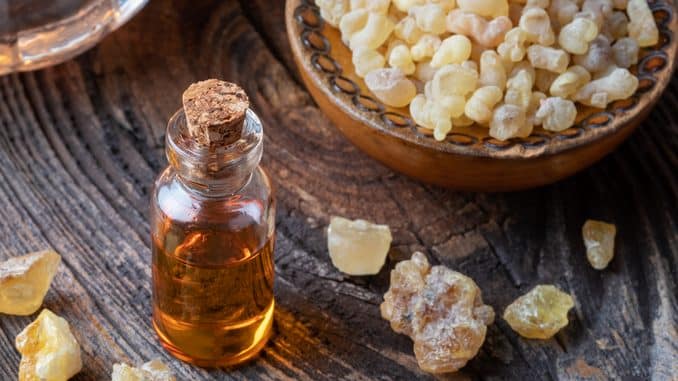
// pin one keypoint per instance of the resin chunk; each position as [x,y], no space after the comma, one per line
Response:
[24,281]
[540,313]
[358,247]
[599,242]
[441,310]
[154,370]
[49,352]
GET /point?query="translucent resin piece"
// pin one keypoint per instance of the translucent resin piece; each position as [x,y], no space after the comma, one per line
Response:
[154,370]
[358,247]
[49,352]
[441,310]
[24,281]
[540,313]
[599,242]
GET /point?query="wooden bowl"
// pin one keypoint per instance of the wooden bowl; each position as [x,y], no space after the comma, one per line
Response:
[469,158]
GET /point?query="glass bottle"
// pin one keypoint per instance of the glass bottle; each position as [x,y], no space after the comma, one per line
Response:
[213,231]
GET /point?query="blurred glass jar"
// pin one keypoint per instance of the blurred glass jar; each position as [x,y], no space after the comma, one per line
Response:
[39,33]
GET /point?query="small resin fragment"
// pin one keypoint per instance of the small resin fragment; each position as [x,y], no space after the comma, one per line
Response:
[366,60]
[507,122]
[358,247]
[625,52]
[333,10]
[642,27]
[49,352]
[24,281]
[441,310]
[599,56]
[487,33]
[391,86]
[485,8]
[599,242]
[619,84]
[557,114]
[154,370]
[540,313]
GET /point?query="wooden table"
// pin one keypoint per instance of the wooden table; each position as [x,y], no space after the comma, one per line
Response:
[81,143]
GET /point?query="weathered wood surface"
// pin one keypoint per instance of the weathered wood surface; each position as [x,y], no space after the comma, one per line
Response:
[81,143]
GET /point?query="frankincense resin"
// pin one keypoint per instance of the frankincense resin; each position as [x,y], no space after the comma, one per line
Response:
[540,313]
[24,281]
[441,310]
[154,370]
[358,247]
[433,55]
[599,242]
[49,351]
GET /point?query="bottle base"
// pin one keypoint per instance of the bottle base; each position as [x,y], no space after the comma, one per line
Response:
[226,361]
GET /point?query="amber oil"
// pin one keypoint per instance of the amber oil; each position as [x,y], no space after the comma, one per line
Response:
[213,237]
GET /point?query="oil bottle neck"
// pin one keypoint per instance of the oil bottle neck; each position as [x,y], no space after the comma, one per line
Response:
[214,172]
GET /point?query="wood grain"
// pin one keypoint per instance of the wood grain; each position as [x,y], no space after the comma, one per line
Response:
[80,145]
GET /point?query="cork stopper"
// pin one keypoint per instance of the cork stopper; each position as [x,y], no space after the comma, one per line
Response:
[215,112]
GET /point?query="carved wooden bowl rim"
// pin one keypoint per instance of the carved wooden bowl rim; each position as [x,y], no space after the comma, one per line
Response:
[314,54]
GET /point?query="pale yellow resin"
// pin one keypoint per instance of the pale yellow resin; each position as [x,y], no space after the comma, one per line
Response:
[49,351]
[540,313]
[599,241]
[154,370]
[24,281]
[358,247]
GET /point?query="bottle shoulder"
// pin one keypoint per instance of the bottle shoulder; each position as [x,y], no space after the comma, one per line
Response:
[173,199]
